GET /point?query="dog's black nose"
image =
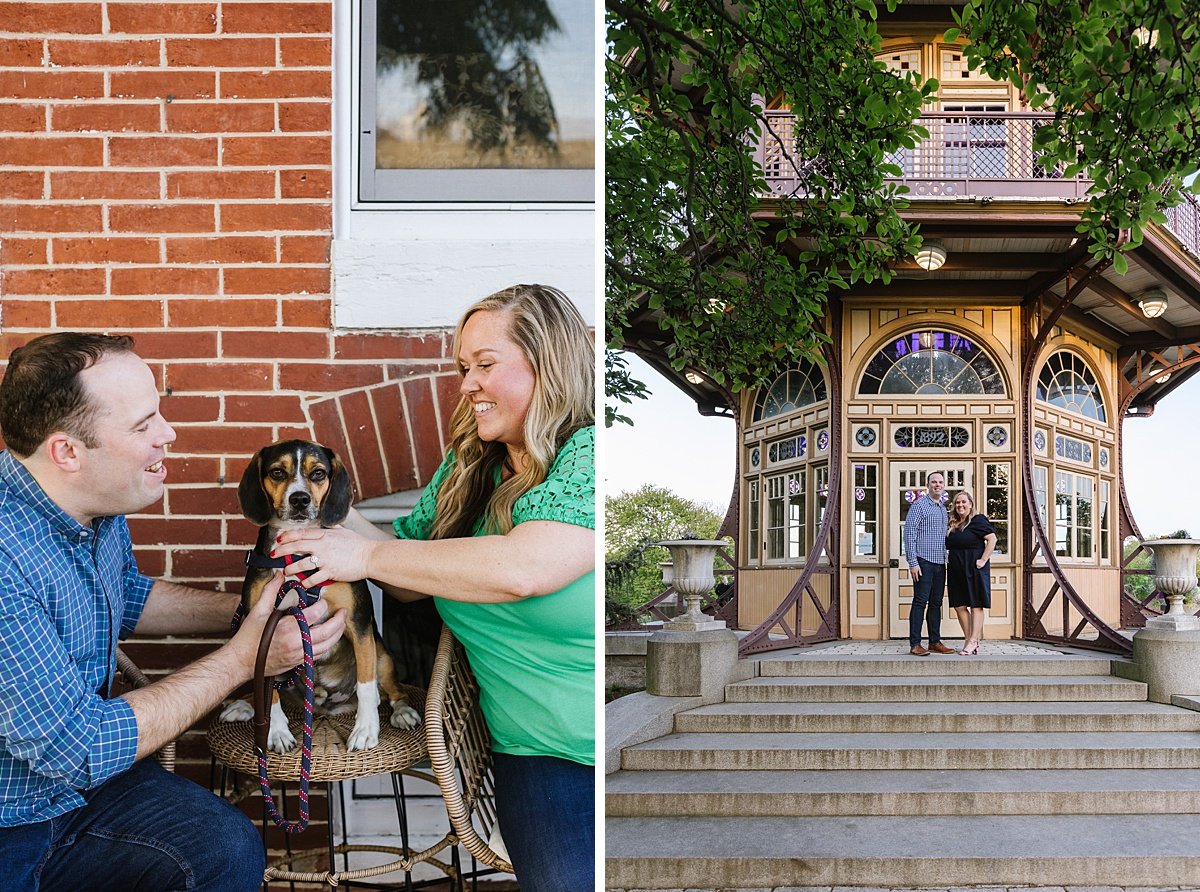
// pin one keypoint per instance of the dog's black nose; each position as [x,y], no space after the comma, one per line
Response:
[299,500]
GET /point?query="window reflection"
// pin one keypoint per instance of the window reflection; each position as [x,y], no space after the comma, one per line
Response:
[932,362]
[494,84]
[1066,381]
[797,387]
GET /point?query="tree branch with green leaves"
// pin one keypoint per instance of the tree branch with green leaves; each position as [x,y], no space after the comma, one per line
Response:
[688,230]
[1121,77]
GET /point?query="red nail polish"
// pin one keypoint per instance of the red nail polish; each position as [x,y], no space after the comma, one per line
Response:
[272,552]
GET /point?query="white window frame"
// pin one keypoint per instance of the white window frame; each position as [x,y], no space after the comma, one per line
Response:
[418,265]
[440,184]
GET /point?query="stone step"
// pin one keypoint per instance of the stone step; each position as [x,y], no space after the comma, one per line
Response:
[935,688]
[938,717]
[900,793]
[876,665]
[931,851]
[903,752]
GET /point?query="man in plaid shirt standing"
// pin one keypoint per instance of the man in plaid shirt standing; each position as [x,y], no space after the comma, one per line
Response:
[925,548]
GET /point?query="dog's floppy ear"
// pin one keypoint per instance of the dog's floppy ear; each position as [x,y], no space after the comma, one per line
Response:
[337,500]
[255,506]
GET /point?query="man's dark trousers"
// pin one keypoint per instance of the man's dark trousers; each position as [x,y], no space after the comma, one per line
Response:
[927,602]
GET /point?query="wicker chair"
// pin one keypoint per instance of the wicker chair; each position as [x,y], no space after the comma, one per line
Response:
[460,751]
[398,752]
[133,677]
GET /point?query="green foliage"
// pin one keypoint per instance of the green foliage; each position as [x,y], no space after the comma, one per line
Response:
[1120,77]
[622,386]
[1140,586]
[685,222]
[634,520]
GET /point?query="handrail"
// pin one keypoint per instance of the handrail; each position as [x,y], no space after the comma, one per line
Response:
[965,154]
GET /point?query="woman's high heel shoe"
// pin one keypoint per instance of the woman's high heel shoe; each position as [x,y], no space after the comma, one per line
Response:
[968,650]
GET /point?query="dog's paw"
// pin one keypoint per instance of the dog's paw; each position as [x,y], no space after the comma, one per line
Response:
[404,716]
[363,737]
[237,711]
[281,739]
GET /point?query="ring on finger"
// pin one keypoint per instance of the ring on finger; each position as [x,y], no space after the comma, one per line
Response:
[314,559]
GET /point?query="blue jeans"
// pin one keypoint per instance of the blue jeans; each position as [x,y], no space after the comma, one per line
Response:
[927,602]
[145,830]
[546,809]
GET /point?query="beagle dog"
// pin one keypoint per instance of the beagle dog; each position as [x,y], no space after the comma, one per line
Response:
[292,485]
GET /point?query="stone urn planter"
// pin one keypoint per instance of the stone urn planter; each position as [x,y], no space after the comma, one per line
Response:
[692,576]
[667,568]
[1175,576]
[1166,652]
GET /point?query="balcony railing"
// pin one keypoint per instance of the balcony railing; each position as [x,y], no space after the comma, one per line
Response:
[966,154]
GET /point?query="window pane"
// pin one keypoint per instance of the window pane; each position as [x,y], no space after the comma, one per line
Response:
[1039,494]
[866,513]
[775,514]
[1066,382]
[796,502]
[1064,516]
[931,362]
[753,546]
[477,84]
[794,389]
[1104,522]
[1083,516]
[996,503]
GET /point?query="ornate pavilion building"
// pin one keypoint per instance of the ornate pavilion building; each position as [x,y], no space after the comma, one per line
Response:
[1004,356]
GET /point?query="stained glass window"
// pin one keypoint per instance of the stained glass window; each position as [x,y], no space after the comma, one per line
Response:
[794,389]
[932,362]
[1068,383]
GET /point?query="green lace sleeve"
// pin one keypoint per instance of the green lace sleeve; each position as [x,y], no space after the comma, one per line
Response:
[418,524]
[568,494]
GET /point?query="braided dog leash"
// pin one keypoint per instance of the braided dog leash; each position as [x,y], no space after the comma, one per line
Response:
[263,684]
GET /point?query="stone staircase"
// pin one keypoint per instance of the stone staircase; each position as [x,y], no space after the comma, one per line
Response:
[1035,768]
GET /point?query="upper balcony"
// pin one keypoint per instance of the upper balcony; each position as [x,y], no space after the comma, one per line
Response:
[966,155]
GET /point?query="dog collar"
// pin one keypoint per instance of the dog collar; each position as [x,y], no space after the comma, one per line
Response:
[261,562]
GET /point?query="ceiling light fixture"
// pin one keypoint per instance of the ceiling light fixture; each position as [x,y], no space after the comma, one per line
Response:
[1153,303]
[931,256]
[693,377]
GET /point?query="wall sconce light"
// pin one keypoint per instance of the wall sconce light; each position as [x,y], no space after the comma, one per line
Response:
[693,377]
[1153,303]
[931,256]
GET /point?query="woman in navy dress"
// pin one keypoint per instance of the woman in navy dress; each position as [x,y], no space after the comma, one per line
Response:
[970,539]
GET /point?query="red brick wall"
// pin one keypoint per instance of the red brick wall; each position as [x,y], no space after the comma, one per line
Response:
[166,172]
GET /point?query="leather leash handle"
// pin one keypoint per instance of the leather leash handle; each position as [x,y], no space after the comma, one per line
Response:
[262,683]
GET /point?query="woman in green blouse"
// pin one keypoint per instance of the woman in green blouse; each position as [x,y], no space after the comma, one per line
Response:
[504,539]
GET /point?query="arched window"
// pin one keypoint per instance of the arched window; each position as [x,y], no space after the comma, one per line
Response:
[1068,383]
[932,362]
[794,389]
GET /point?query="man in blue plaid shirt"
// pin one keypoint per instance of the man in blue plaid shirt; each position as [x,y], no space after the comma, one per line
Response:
[925,548]
[80,805]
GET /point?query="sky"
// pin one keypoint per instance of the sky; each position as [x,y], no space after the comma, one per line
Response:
[672,445]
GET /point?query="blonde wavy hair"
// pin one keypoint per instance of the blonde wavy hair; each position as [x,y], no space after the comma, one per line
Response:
[555,340]
[955,523]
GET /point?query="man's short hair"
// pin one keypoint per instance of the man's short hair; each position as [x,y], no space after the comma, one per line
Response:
[42,393]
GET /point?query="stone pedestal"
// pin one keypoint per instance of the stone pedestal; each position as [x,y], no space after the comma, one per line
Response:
[690,664]
[1168,661]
